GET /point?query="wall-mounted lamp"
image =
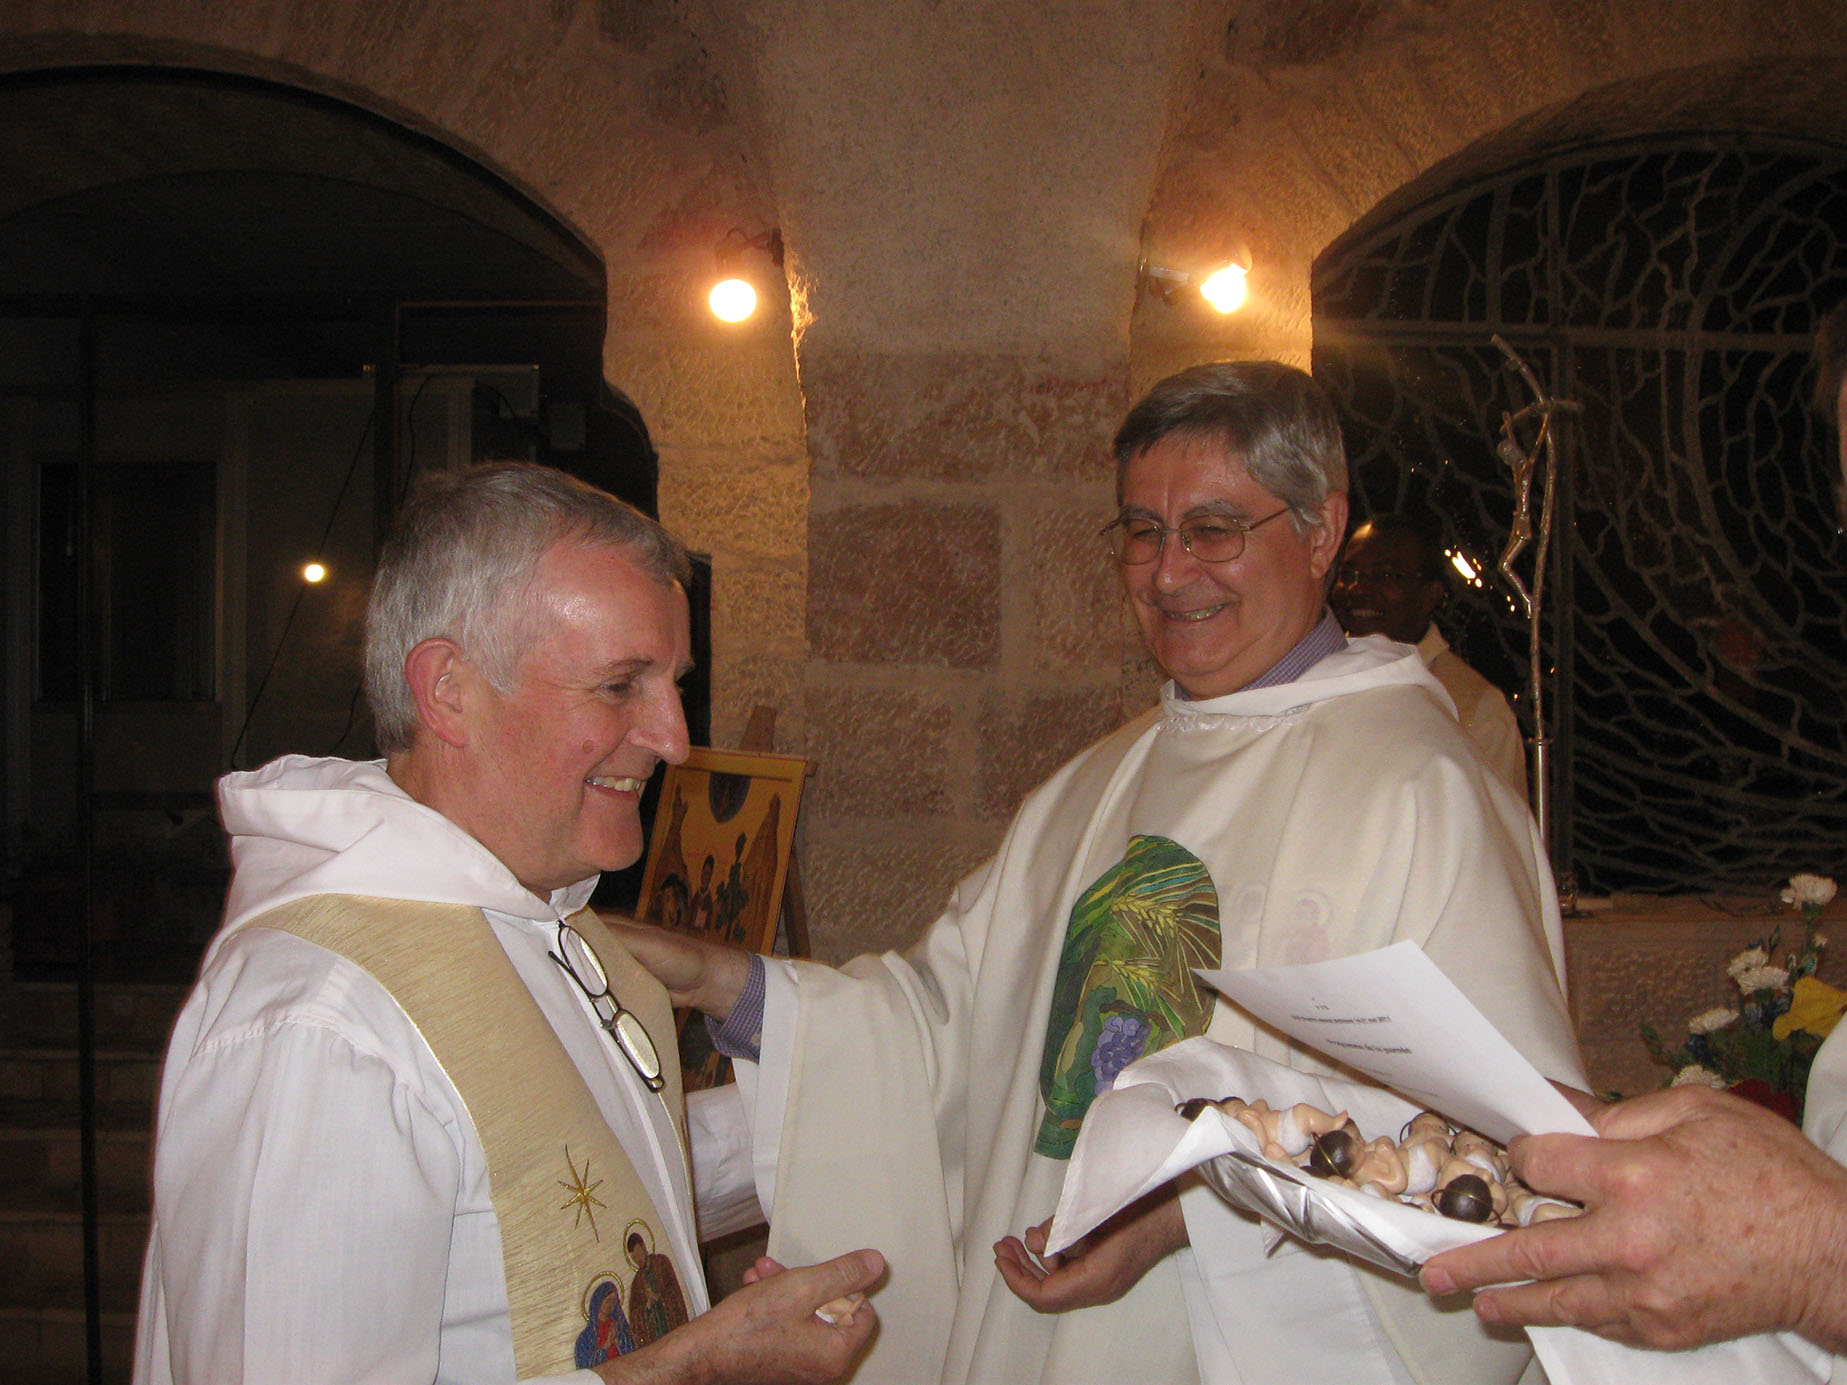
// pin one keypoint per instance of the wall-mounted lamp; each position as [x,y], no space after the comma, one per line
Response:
[1222,282]
[1465,567]
[313,572]
[734,298]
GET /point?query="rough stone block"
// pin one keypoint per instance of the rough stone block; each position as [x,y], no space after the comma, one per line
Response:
[869,895]
[1071,613]
[878,753]
[910,583]
[746,504]
[1022,742]
[766,680]
[718,394]
[956,416]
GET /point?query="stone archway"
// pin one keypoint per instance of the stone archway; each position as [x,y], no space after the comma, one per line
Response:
[609,116]
[1310,115]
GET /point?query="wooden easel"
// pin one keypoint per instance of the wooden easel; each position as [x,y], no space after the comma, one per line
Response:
[792,918]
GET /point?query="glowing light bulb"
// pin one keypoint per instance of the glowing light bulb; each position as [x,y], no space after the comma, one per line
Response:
[313,572]
[1224,288]
[733,300]
[1459,560]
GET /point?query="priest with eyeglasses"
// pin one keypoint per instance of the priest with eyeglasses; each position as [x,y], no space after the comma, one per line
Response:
[1294,797]
[421,1119]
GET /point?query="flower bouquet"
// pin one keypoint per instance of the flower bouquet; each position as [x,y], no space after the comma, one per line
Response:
[1761,1049]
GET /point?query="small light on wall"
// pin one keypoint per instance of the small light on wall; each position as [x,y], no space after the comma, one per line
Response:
[1221,280]
[1460,561]
[1224,287]
[733,298]
[313,572]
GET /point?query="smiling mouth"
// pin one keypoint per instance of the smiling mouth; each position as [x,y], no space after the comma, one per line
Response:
[622,784]
[1203,613]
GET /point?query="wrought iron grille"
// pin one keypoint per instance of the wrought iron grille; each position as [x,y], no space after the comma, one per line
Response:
[1696,618]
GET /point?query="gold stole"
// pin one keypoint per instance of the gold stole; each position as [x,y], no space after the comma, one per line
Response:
[589,1270]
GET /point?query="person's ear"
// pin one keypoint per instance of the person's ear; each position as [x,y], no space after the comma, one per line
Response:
[1328,536]
[1435,593]
[438,676]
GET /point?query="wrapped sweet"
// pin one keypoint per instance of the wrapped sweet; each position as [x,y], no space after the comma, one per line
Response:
[1459,1174]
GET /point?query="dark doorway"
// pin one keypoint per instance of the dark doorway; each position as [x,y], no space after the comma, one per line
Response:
[236,319]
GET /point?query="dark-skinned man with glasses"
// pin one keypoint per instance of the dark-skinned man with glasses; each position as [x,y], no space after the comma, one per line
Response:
[1390,582]
[420,1118]
[1294,797]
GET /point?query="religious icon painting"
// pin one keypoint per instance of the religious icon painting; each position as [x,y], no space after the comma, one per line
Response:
[656,1303]
[718,864]
[1125,985]
[616,1323]
[606,1333]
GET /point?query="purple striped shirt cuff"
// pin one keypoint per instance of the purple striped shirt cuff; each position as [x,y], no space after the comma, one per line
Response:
[741,1035]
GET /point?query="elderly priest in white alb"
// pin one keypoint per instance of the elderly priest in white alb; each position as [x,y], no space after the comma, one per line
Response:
[413,1125]
[1292,798]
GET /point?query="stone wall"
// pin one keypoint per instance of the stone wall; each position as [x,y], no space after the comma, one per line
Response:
[897,465]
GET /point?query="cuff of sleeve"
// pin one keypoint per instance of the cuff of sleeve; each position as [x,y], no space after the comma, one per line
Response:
[741,1035]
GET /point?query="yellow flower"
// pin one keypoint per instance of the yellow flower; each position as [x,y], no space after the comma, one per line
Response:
[1814,1005]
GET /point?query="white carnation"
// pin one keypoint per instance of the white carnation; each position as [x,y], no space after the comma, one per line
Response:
[1749,959]
[1693,1075]
[1808,889]
[1762,979]
[1707,1021]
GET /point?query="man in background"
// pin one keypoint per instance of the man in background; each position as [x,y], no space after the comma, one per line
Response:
[1390,582]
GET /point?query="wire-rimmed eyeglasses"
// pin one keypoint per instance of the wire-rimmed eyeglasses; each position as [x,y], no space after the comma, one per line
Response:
[1209,538]
[622,1024]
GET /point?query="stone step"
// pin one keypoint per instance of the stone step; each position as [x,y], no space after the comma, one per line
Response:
[40,1160]
[43,1254]
[46,1346]
[125,1079]
[43,1014]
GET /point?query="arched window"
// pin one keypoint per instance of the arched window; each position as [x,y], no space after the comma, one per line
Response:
[1696,613]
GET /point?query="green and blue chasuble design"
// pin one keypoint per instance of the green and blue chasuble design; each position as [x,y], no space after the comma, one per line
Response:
[1125,983]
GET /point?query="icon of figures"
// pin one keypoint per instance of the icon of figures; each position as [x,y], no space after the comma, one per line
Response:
[607,1333]
[655,1304]
[700,908]
[669,907]
[732,896]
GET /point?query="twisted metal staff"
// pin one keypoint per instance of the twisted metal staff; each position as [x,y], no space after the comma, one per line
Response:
[1525,462]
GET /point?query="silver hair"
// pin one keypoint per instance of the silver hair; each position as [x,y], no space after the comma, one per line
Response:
[460,562]
[1272,417]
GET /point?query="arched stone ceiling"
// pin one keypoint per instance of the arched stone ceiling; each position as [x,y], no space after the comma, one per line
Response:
[172,182]
[1313,113]
[1799,98]
[604,113]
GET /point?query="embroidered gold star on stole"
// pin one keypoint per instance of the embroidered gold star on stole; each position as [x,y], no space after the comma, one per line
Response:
[524,1095]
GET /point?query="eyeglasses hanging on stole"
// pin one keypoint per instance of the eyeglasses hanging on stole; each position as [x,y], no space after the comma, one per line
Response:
[622,1024]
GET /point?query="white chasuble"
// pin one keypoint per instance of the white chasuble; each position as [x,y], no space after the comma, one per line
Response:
[589,1269]
[928,1097]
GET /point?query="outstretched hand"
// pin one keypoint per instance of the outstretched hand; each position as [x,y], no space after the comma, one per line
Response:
[1706,1218]
[1100,1267]
[770,1332]
[706,975]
